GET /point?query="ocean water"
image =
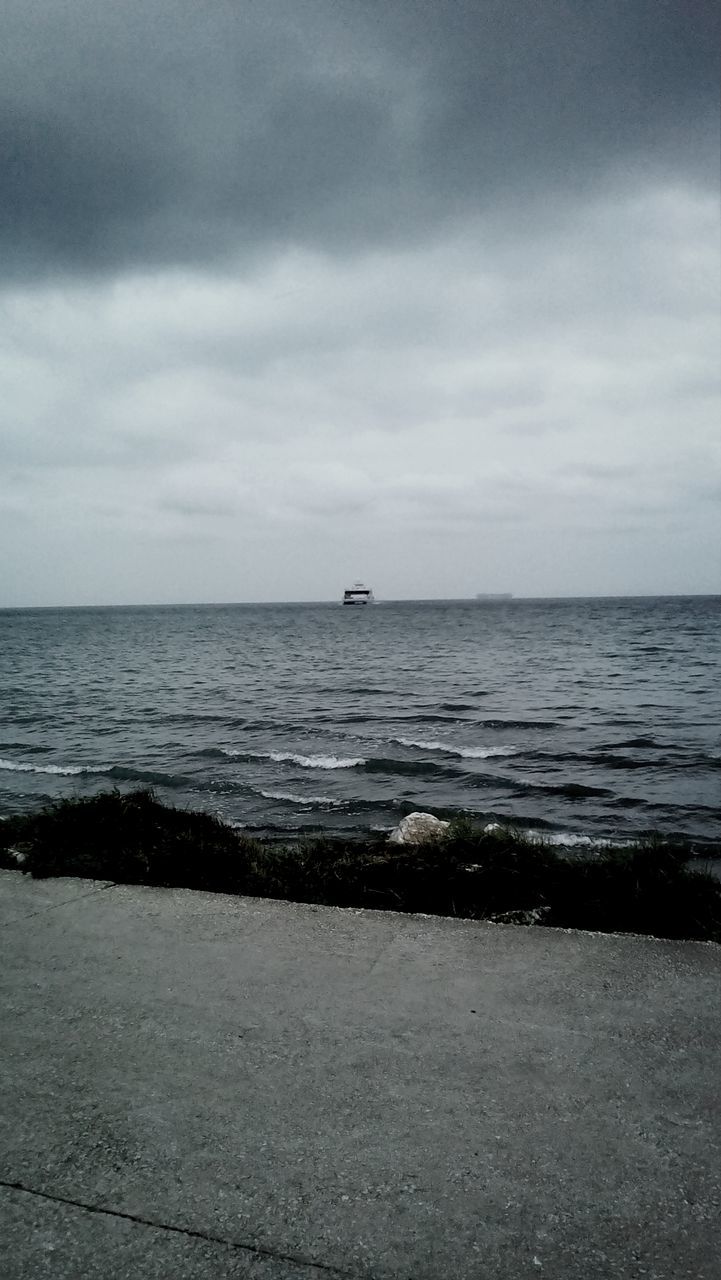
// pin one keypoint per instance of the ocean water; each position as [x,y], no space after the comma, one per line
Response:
[578,718]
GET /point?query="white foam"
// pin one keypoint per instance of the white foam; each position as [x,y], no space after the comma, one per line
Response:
[564,838]
[305,762]
[465,753]
[65,770]
[292,798]
[571,841]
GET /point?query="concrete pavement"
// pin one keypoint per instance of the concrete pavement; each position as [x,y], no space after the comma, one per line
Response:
[196,1085]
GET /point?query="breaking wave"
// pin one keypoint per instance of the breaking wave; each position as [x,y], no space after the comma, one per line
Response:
[291,757]
[568,840]
[64,770]
[565,839]
[464,753]
[116,772]
[323,802]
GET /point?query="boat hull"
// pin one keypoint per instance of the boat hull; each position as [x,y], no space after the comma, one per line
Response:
[357,594]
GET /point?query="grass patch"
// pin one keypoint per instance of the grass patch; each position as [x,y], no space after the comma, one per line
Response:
[132,838]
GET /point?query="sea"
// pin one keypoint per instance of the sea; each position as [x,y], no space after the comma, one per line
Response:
[581,719]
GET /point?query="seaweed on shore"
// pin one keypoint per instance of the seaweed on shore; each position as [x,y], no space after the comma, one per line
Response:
[650,887]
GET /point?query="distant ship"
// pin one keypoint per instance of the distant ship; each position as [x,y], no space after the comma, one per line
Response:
[358,594]
[494,595]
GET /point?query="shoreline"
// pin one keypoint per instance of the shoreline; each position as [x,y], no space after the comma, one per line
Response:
[653,887]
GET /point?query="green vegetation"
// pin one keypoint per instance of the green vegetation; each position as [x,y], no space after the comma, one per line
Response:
[131,838]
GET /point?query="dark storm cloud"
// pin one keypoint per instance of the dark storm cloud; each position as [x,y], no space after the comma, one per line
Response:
[162,132]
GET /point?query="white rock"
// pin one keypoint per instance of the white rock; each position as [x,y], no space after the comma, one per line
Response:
[418,828]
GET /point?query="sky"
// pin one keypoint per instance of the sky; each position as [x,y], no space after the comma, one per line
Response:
[299,292]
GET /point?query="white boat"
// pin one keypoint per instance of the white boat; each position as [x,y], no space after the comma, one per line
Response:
[357,594]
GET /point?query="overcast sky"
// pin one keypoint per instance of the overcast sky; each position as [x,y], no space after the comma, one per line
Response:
[424,292]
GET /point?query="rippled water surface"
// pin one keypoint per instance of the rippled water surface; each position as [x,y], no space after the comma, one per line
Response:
[580,717]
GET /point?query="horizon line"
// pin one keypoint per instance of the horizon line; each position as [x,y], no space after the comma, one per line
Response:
[472,599]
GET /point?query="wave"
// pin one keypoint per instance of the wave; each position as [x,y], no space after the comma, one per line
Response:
[360,690]
[573,790]
[192,717]
[524,786]
[340,718]
[603,758]
[312,802]
[31,718]
[272,726]
[464,753]
[63,770]
[427,717]
[565,838]
[148,777]
[409,768]
[372,764]
[713,810]
[268,724]
[117,772]
[607,759]
[291,757]
[518,724]
[568,840]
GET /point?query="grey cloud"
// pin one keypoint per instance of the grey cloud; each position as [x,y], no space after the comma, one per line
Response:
[421,292]
[159,132]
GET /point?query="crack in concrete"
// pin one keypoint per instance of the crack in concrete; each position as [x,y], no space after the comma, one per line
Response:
[256,1249]
[53,906]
